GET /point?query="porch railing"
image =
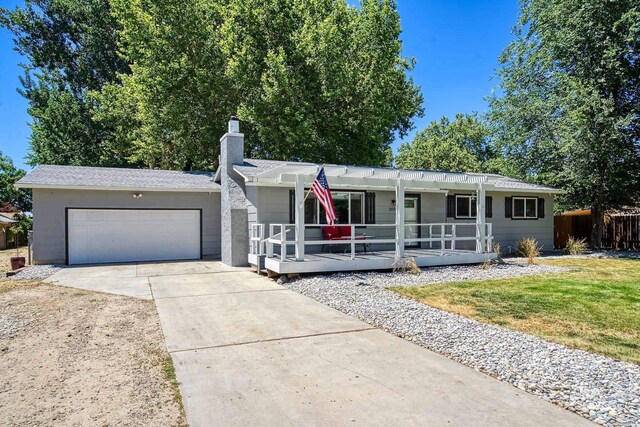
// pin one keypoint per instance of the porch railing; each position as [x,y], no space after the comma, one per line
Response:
[444,235]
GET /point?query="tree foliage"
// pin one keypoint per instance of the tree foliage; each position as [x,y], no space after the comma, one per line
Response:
[322,82]
[153,83]
[312,80]
[569,113]
[10,195]
[70,47]
[462,145]
[171,110]
[21,228]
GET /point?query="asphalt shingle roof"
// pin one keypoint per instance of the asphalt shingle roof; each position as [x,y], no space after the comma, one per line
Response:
[153,179]
[117,178]
[253,167]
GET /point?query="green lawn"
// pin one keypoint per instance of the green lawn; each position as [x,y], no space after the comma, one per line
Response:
[596,308]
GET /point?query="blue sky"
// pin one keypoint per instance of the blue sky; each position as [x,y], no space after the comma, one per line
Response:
[456,44]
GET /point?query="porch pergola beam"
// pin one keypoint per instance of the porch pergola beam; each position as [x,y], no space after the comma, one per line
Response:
[372,182]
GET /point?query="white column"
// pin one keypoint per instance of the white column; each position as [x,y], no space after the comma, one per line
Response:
[481,219]
[299,196]
[400,219]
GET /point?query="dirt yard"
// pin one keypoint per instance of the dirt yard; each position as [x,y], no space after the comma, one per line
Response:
[6,254]
[72,357]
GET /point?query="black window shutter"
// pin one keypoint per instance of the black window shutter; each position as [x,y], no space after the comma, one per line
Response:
[488,207]
[369,208]
[451,206]
[508,206]
[541,208]
[292,206]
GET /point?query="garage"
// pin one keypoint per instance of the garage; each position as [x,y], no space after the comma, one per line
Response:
[130,235]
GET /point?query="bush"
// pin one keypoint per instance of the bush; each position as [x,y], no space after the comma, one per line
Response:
[576,246]
[528,248]
[406,265]
[497,249]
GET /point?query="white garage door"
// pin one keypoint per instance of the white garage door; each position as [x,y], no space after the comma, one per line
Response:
[121,235]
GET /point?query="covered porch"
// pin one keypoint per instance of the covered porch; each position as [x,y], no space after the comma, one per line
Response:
[299,247]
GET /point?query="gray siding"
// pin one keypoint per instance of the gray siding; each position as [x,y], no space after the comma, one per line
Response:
[507,231]
[49,215]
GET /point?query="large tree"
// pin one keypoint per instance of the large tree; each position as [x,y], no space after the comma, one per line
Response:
[172,109]
[461,145]
[9,195]
[321,80]
[313,80]
[569,113]
[70,50]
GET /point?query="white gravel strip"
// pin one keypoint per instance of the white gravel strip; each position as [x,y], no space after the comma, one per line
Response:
[10,325]
[604,390]
[35,272]
[456,273]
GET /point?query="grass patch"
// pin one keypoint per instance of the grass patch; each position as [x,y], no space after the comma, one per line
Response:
[169,374]
[595,308]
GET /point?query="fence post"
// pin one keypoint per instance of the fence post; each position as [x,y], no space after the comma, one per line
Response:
[453,236]
[353,242]
[283,245]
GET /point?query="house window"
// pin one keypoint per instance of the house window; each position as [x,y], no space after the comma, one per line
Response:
[525,207]
[466,207]
[349,208]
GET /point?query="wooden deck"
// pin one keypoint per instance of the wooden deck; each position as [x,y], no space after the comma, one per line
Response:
[378,260]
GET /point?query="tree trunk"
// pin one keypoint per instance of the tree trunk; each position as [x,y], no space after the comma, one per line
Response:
[597,225]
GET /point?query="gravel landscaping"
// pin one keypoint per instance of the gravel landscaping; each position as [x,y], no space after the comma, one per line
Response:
[447,274]
[604,390]
[36,272]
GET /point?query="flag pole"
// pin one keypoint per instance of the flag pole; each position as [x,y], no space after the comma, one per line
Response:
[305,197]
[310,189]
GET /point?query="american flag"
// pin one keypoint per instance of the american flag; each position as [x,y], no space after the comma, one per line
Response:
[321,190]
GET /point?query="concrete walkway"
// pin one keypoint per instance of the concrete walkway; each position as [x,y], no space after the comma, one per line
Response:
[250,352]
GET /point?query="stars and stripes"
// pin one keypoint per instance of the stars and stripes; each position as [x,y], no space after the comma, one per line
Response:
[321,190]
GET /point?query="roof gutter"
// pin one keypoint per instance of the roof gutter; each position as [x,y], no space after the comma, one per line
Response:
[109,188]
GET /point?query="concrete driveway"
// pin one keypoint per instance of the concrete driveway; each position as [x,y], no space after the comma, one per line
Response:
[130,279]
[250,352]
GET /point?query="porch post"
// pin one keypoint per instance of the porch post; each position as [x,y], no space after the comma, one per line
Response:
[400,219]
[480,219]
[299,197]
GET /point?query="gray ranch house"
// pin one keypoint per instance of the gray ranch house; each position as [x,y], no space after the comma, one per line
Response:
[252,212]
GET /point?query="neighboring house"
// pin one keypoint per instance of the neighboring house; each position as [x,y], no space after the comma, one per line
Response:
[252,209]
[6,222]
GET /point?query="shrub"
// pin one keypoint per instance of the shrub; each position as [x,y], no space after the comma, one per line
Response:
[528,248]
[575,246]
[406,265]
[497,249]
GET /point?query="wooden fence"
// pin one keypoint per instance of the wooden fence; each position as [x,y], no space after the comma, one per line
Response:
[565,226]
[620,231]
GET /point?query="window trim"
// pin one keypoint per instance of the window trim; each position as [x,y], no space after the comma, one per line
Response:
[524,198]
[333,193]
[455,207]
